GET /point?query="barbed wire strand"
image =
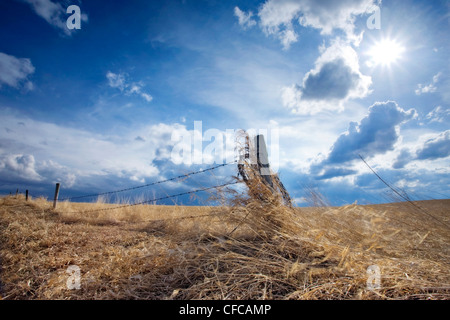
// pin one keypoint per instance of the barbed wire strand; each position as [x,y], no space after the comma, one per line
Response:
[156,199]
[149,184]
[402,196]
[182,218]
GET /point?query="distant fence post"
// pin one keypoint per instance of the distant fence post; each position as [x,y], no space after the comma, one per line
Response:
[17,192]
[26,195]
[56,195]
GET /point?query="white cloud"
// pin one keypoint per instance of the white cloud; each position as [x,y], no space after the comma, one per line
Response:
[42,151]
[425,148]
[327,15]
[436,147]
[146,96]
[54,172]
[278,17]
[287,37]
[376,137]
[116,80]
[245,20]
[23,167]
[375,134]
[335,79]
[49,11]
[120,82]
[13,166]
[14,71]
[430,88]
[54,13]
[136,88]
[438,114]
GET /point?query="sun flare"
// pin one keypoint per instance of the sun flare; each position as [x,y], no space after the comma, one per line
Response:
[385,52]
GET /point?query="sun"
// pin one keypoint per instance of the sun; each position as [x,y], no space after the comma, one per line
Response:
[385,52]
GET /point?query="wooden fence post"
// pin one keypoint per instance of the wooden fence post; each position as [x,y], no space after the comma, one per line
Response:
[259,161]
[262,158]
[26,195]
[56,195]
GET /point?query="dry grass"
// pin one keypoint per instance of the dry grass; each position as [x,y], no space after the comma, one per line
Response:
[252,248]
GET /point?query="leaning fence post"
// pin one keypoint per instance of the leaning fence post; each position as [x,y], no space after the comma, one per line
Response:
[26,195]
[56,196]
[262,159]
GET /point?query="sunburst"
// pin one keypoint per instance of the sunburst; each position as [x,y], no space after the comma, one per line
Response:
[385,53]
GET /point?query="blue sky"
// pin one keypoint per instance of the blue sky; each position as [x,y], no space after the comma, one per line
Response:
[98,108]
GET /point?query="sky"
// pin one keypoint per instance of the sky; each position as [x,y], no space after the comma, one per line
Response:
[117,95]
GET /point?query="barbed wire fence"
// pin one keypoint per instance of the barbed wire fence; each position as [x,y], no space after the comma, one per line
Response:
[261,163]
[253,156]
[147,201]
[183,176]
[160,198]
[191,192]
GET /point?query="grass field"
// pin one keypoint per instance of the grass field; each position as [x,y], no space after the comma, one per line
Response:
[246,250]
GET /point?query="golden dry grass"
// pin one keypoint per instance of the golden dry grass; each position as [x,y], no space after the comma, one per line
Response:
[252,248]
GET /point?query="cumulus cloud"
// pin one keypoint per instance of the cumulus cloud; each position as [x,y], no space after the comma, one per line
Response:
[119,81]
[15,168]
[128,156]
[54,172]
[327,15]
[14,71]
[54,13]
[430,147]
[435,148]
[278,17]
[429,88]
[374,134]
[18,166]
[335,79]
